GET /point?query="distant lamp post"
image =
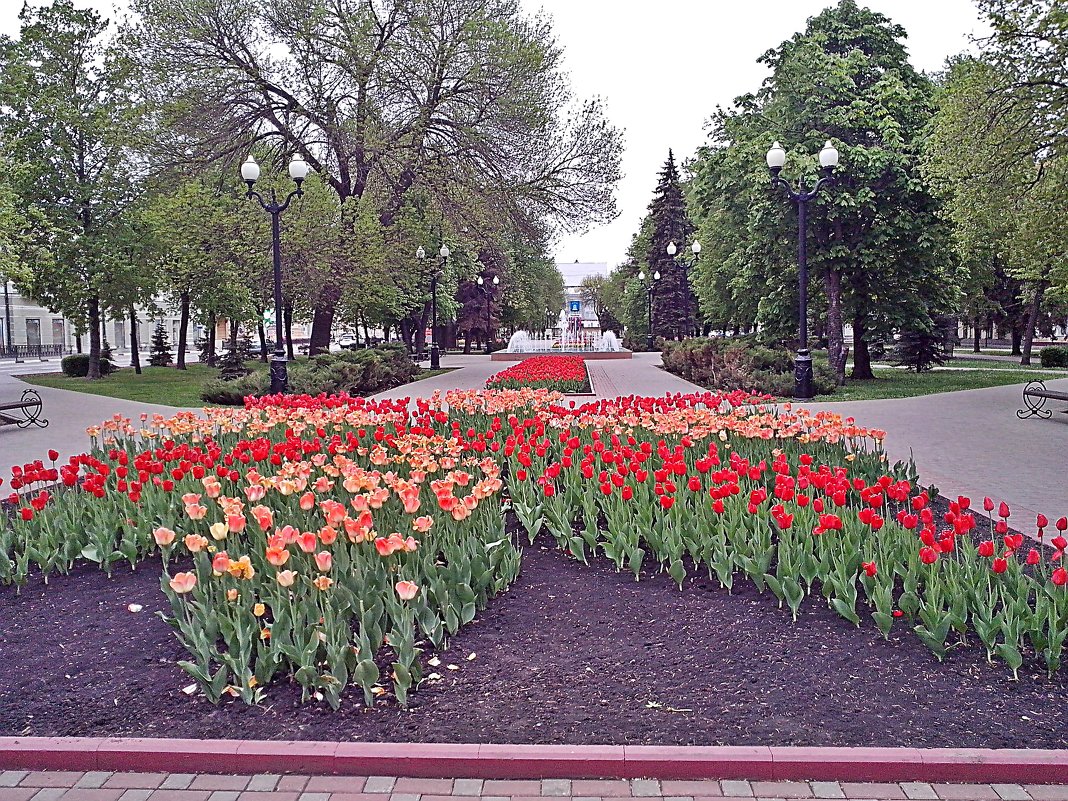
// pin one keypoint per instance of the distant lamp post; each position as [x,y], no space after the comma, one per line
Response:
[695,248]
[444,253]
[485,291]
[649,287]
[804,387]
[250,173]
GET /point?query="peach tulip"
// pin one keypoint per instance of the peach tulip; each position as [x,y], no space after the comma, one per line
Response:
[423,524]
[196,543]
[196,512]
[286,577]
[220,563]
[277,556]
[163,536]
[264,517]
[307,501]
[328,535]
[236,523]
[406,590]
[323,583]
[323,561]
[307,541]
[183,582]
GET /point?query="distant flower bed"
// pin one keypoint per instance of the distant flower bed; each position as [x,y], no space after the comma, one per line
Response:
[559,373]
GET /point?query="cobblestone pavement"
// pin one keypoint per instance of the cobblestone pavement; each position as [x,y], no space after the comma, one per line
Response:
[101,786]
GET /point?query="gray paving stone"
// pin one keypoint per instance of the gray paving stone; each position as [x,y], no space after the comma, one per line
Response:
[645,788]
[379,784]
[827,789]
[11,778]
[49,794]
[1011,792]
[224,795]
[178,781]
[135,795]
[314,797]
[554,787]
[263,782]
[918,790]
[405,797]
[678,798]
[93,780]
[739,788]
[467,787]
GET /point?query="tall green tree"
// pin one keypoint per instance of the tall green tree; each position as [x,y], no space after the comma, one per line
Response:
[673,300]
[68,114]
[875,241]
[459,100]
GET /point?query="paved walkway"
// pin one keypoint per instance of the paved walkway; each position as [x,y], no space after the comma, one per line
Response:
[100,786]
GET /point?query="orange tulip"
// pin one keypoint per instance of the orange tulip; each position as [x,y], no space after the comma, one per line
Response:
[277,556]
[323,583]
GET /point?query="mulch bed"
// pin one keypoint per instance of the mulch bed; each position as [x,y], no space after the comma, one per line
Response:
[571,654]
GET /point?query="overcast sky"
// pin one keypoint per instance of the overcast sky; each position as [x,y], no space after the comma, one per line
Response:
[662,68]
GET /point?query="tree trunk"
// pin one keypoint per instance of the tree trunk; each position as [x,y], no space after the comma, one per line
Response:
[211,340]
[94,337]
[861,356]
[467,343]
[832,282]
[366,331]
[287,322]
[1032,321]
[78,343]
[135,356]
[975,341]
[323,321]
[1017,339]
[183,329]
[234,328]
[263,342]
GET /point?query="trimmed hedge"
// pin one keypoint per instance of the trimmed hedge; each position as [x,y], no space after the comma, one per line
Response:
[740,363]
[77,365]
[1054,356]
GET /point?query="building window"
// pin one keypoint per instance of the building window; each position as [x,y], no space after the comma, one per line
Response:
[59,332]
[33,331]
[120,333]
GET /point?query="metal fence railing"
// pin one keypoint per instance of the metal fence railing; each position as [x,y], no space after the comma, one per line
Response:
[22,352]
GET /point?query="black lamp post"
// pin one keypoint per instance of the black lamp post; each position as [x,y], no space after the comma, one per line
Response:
[804,388]
[250,173]
[435,353]
[485,291]
[649,287]
[695,248]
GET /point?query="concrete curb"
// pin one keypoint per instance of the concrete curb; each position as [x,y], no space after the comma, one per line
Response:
[502,761]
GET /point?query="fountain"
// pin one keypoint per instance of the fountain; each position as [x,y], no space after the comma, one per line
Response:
[571,340]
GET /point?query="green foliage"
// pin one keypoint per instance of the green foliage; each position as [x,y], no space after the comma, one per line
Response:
[919,349]
[359,372]
[233,392]
[77,365]
[160,354]
[1054,356]
[740,363]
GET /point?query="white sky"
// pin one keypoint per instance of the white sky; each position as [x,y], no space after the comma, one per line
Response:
[663,69]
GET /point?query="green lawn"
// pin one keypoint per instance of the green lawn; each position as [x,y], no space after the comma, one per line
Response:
[987,364]
[894,383]
[161,385]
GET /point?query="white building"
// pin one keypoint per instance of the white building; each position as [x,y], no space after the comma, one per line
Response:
[574,306]
[34,330]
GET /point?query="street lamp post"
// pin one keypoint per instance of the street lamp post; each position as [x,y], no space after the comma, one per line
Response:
[649,304]
[695,248]
[485,291]
[804,387]
[250,173]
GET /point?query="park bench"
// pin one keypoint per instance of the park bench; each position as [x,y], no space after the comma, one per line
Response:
[29,405]
[1035,396]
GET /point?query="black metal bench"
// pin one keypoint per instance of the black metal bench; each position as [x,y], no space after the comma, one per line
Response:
[1035,396]
[30,405]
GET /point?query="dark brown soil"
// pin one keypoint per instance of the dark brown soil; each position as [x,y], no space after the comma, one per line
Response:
[571,654]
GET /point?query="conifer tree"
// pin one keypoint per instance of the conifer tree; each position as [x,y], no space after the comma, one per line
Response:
[673,300]
[160,355]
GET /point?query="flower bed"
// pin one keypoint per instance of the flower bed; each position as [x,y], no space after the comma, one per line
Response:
[319,536]
[556,373]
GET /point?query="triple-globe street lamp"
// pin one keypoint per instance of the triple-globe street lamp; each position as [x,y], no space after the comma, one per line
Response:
[649,287]
[250,173]
[804,387]
[484,286]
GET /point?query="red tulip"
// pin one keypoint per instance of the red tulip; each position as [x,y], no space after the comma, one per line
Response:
[1003,510]
[26,512]
[1059,576]
[1042,521]
[667,501]
[988,504]
[1032,557]
[1062,524]
[999,565]
[869,568]
[1059,542]
[53,455]
[986,548]
[928,555]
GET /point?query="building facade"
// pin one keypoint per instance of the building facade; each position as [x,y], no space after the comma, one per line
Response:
[576,308]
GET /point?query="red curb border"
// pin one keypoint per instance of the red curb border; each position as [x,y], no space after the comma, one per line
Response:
[502,761]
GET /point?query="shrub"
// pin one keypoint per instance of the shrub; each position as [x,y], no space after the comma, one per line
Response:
[77,365]
[233,392]
[740,363]
[1054,356]
[919,350]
